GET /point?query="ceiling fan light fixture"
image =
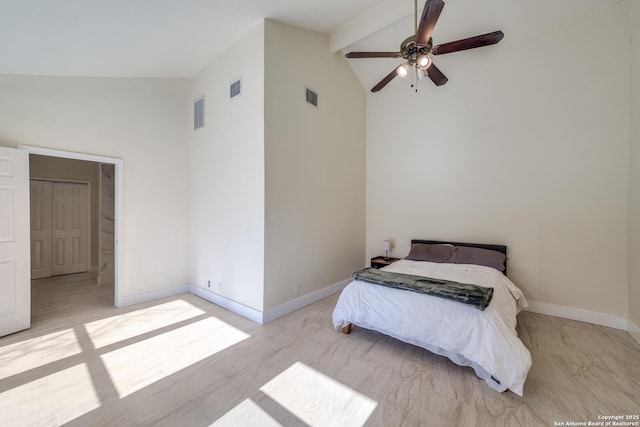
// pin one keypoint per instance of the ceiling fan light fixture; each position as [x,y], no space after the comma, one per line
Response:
[403,70]
[423,61]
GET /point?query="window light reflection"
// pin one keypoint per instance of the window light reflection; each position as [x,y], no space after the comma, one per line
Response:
[35,352]
[53,400]
[246,413]
[135,366]
[128,325]
[317,399]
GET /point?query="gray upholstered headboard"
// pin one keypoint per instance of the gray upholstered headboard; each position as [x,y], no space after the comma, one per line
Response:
[498,248]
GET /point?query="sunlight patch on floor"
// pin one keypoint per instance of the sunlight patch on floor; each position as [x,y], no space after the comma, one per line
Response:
[118,328]
[138,365]
[35,352]
[51,400]
[318,400]
[246,414]
[72,393]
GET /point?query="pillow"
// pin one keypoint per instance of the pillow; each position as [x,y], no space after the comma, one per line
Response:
[479,256]
[431,253]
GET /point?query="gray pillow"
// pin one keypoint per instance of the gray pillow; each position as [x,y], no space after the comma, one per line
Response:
[479,256]
[431,253]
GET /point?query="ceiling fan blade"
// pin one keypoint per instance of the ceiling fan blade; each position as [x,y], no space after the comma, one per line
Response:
[468,43]
[373,55]
[436,75]
[386,80]
[430,15]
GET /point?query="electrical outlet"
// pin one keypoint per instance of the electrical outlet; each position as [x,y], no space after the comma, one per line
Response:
[296,290]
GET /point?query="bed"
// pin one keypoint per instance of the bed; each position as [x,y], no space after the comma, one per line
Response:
[485,340]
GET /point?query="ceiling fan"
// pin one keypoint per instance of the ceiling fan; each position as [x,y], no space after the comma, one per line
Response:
[416,49]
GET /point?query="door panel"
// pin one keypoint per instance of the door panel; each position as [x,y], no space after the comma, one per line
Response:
[15,287]
[40,229]
[6,211]
[7,272]
[70,228]
[76,252]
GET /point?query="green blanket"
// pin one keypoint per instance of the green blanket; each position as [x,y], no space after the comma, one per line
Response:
[477,296]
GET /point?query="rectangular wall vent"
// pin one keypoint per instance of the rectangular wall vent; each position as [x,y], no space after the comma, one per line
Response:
[198,113]
[312,97]
[235,89]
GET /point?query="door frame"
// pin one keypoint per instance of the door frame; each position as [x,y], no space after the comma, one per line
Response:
[118,202]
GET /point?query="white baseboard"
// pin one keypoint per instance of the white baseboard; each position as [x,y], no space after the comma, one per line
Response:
[241,309]
[633,330]
[597,318]
[260,317]
[305,300]
[153,295]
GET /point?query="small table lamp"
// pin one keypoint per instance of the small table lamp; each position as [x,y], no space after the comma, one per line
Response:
[386,247]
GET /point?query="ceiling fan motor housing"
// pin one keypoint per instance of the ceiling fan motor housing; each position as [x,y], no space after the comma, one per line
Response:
[410,50]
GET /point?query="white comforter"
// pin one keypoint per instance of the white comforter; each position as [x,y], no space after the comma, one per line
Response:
[484,340]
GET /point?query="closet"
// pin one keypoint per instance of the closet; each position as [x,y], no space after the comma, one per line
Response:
[59,228]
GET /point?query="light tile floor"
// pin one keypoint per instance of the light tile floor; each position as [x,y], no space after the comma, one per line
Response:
[182,361]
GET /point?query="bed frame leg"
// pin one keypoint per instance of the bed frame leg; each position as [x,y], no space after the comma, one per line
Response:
[347,329]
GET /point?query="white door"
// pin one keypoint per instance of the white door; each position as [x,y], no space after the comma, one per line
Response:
[15,286]
[70,228]
[41,201]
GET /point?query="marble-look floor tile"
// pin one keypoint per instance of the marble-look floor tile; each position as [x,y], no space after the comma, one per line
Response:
[317,399]
[187,415]
[72,393]
[105,415]
[182,361]
[247,413]
[27,405]
[151,404]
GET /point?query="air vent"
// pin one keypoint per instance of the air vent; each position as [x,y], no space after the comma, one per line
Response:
[198,113]
[235,89]
[312,97]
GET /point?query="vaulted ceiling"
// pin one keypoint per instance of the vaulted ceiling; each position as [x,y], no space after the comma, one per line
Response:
[168,38]
[144,38]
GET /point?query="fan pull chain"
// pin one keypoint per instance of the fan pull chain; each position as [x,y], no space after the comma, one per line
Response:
[415,28]
[414,79]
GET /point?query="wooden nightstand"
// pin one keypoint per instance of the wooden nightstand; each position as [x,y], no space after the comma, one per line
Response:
[379,261]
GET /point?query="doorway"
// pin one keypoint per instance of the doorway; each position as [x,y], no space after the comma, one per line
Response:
[105,258]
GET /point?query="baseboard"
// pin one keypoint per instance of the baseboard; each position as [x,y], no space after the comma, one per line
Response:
[595,317]
[241,309]
[303,301]
[153,295]
[270,315]
[633,330]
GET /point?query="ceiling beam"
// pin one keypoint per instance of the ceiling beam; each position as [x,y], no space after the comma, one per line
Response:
[361,26]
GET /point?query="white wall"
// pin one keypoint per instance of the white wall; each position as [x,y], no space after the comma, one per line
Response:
[142,121]
[227,175]
[634,170]
[315,166]
[526,145]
